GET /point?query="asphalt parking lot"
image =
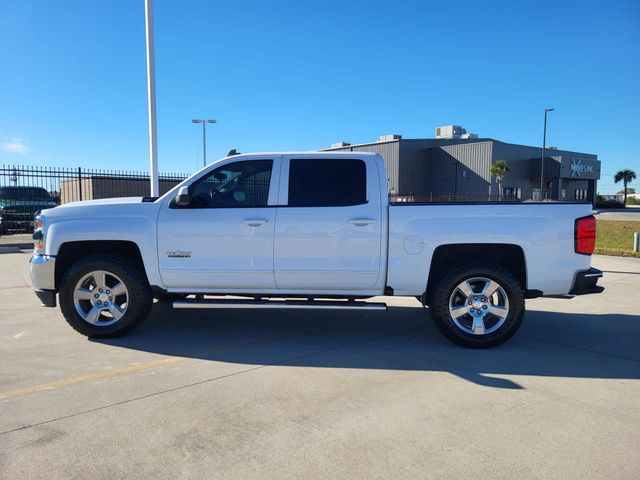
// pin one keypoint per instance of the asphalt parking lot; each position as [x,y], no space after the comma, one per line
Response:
[232,394]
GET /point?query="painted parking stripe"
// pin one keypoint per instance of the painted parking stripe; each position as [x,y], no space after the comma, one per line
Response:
[87,378]
[130,369]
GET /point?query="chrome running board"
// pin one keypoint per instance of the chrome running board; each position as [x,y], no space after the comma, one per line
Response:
[284,304]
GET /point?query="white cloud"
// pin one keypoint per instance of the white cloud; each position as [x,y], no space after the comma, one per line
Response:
[15,145]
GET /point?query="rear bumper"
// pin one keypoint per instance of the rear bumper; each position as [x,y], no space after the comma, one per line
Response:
[586,282]
[43,270]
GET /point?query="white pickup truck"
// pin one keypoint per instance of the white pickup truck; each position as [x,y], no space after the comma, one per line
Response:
[308,230]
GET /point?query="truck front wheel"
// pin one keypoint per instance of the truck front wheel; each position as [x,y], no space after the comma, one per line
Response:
[478,305]
[104,296]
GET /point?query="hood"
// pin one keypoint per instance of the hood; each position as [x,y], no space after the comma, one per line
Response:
[123,207]
[103,201]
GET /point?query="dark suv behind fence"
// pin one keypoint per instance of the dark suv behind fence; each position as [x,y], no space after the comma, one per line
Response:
[18,205]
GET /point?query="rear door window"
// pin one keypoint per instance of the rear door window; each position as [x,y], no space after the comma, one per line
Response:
[327,182]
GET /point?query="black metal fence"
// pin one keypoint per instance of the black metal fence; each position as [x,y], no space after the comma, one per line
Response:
[451,198]
[66,185]
[26,189]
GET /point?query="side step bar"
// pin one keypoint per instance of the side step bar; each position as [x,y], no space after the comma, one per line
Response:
[289,304]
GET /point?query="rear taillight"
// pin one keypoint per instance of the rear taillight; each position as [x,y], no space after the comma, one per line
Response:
[585,235]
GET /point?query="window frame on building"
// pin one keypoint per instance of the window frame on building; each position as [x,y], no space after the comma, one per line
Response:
[581,194]
[513,192]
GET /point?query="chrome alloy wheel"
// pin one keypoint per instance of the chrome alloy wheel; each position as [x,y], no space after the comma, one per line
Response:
[478,306]
[100,298]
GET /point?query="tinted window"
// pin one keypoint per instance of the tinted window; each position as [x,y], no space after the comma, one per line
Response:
[24,193]
[327,182]
[238,184]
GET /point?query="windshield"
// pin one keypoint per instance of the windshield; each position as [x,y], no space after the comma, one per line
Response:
[24,193]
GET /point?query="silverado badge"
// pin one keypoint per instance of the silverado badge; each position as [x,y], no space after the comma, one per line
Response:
[178,254]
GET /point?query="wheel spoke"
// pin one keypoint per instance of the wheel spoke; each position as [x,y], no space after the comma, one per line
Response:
[118,289]
[490,288]
[466,289]
[457,312]
[93,315]
[83,294]
[500,312]
[116,311]
[478,325]
[100,279]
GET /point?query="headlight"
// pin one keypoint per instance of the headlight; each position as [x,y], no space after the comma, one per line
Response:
[38,235]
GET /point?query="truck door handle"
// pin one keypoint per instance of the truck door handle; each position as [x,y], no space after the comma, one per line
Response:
[361,222]
[255,222]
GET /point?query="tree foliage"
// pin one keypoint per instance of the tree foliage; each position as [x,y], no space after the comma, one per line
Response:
[499,170]
[626,177]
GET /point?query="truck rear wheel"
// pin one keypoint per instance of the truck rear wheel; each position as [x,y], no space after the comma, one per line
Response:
[478,305]
[104,296]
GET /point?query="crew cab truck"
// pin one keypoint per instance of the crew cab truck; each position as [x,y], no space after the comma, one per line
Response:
[308,230]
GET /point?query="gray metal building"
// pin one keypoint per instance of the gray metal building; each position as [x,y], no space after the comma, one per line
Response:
[461,166]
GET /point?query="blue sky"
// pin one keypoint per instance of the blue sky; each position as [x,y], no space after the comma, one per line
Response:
[284,75]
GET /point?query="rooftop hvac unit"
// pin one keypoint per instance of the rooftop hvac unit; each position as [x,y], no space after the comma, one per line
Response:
[340,144]
[450,131]
[389,138]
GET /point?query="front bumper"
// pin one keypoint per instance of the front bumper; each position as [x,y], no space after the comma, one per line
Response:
[586,282]
[47,297]
[43,277]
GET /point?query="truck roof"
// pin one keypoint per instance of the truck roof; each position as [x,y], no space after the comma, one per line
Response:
[314,153]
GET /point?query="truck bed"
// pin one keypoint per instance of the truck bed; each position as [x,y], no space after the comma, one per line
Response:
[545,231]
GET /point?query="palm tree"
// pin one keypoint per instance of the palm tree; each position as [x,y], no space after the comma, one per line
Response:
[625,176]
[499,170]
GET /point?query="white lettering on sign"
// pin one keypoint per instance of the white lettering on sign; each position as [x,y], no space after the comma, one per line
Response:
[578,169]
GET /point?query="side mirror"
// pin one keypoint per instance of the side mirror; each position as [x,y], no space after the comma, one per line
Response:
[182,199]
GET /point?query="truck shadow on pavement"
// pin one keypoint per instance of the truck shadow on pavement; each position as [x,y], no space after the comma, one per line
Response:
[549,344]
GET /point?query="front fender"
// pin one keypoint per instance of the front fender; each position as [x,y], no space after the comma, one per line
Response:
[141,230]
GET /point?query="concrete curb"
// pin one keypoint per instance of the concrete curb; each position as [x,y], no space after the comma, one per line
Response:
[9,249]
[16,241]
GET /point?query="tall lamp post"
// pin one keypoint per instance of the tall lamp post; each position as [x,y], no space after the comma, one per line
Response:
[151,100]
[204,122]
[544,147]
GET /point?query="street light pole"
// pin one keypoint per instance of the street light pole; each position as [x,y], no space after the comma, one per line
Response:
[204,137]
[544,147]
[151,100]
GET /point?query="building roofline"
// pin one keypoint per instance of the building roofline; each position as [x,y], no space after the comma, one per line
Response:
[455,141]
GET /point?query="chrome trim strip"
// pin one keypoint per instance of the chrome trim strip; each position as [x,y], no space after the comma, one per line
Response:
[282,305]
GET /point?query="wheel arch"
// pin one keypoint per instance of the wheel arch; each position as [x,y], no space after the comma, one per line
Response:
[511,257]
[70,252]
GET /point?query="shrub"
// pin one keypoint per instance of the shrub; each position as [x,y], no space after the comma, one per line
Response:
[602,202]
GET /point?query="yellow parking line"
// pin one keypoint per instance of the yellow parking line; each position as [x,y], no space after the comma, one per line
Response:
[130,369]
[86,378]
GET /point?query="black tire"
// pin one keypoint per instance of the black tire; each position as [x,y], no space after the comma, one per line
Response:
[444,290]
[139,297]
